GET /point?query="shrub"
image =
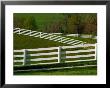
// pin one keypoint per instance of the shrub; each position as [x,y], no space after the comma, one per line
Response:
[27,22]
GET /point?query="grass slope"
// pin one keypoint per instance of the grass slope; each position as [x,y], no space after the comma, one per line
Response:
[87,40]
[70,71]
[22,41]
[26,42]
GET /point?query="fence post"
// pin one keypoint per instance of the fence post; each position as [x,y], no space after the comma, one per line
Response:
[96,51]
[24,58]
[30,32]
[40,34]
[19,30]
[59,54]
[50,36]
[61,40]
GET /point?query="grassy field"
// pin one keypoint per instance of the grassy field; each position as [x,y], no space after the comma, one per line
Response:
[87,40]
[70,71]
[66,71]
[26,42]
[23,41]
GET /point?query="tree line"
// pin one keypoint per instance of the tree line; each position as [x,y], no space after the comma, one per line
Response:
[72,23]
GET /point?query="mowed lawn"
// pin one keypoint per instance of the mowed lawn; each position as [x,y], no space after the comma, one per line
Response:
[26,42]
[23,41]
[70,71]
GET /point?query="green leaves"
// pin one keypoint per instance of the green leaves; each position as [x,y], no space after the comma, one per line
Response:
[66,23]
[25,22]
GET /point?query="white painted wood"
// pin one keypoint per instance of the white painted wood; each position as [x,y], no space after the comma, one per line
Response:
[24,58]
[76,46]
[43,36]
[43,54]
[18,56]
[81,60]
[59,54]
[74,41]
[60,40]
[79,56]
[42,49]
[46,63]
[55,38]
[38,36]
[24,31]
[18,50]
[77,43]
[16,31]
[71,42]
[16,28]
[29,34]
[96,51]
[55,53]
[34,34]
[18,60]
[41,59]
[57,33]
[80,51]
[50,36]
[64,39]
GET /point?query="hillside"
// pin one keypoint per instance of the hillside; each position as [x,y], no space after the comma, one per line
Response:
[22,42]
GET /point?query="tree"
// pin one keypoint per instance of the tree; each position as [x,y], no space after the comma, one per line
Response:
[26,22]
[73,23]
[30,23]
[91,24]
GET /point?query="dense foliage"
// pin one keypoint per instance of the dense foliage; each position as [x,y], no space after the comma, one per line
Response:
[66,23]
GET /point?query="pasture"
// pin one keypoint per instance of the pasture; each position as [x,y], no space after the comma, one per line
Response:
[24,41]
[38,51]
[70,71]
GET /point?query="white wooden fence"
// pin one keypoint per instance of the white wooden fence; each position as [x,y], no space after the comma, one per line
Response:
[83,36]
[77,35]
[56,53]
[49,36]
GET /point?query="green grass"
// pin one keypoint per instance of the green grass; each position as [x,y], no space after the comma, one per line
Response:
[26,42]
[70,71]
[26,67]
[87,40]
[23,41]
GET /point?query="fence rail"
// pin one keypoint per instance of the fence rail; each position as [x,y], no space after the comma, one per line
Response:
[49,36]
[59,54]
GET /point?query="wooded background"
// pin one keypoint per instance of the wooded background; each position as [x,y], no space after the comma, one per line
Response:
[66,23]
